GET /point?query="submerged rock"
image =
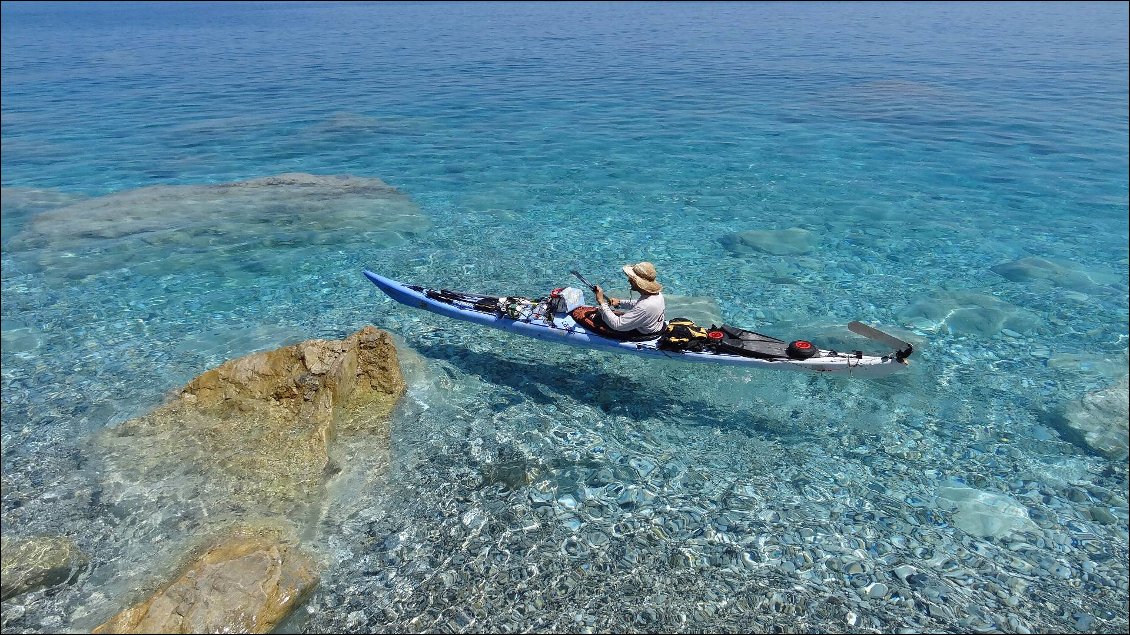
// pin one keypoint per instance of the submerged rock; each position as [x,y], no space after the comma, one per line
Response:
[20,204]
[1059,274]
[31,200]
[215,228]
[781,242]
[1101,421]
[35,563]
[702,310]
[1104,364]
[245,584]
[256,432]
[969,313]
[985,514]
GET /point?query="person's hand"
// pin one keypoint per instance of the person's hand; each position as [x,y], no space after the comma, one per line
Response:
[599,294]
[613,301]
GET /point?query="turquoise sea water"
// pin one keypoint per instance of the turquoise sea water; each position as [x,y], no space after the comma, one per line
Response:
[960,174]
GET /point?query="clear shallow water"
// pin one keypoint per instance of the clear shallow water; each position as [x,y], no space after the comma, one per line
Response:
[922,147]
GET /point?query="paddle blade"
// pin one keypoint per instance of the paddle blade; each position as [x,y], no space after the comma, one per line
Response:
[904,348]
[582,279]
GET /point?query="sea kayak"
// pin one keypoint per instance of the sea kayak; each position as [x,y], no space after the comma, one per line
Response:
[765,352]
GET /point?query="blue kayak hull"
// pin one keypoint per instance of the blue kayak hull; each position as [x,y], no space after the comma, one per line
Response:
[564,330]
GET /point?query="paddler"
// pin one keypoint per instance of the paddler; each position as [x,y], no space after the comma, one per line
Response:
[645,315]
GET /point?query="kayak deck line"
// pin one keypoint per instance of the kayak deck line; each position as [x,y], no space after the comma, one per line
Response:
[561,328]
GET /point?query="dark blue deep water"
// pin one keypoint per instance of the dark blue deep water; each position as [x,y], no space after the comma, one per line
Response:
[956,173]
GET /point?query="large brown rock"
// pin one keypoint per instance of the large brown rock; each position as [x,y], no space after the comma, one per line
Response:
[246,584]
[256,433]
[251,441]
[33,563]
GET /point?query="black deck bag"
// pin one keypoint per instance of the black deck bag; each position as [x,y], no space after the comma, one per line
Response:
[736,341]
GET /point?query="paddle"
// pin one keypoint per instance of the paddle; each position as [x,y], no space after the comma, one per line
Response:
[582,279]
[902,349]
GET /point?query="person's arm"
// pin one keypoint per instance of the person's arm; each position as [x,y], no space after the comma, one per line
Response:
[625,305]
[637,318]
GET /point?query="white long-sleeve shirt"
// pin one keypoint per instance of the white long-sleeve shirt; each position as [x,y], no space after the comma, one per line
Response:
[644,315]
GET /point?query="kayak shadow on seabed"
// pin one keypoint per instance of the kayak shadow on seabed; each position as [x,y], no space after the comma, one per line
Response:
[612,392]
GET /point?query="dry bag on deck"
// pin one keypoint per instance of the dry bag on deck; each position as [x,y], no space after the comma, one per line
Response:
[564,299]
[682,334]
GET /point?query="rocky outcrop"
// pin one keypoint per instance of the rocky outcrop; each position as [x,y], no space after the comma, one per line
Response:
[250,441]
[245,584]
[256,433]
[35,563]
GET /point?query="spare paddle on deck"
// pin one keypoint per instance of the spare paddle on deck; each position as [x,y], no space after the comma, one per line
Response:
[582,279]
[902,349]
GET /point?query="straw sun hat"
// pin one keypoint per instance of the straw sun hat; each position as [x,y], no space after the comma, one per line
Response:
[643,275]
